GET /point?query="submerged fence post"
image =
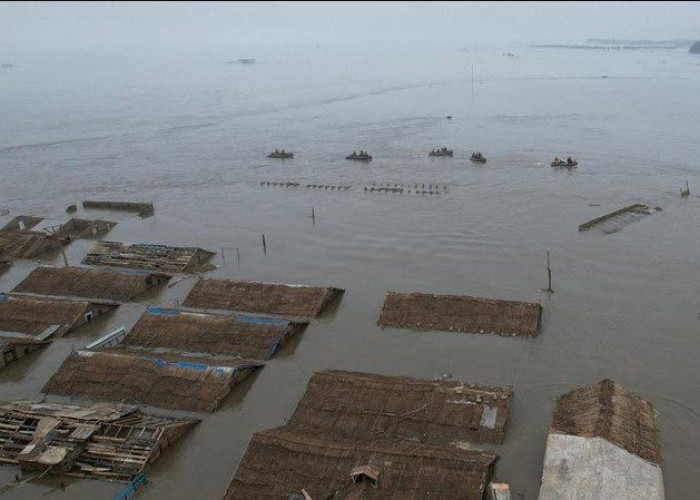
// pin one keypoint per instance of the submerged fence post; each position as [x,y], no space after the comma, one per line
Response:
[238,256]
[549,275]
[264,244]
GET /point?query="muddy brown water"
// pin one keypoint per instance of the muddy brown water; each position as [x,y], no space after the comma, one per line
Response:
[625,304]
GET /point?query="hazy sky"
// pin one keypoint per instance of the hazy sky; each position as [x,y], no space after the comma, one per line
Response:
[51,26]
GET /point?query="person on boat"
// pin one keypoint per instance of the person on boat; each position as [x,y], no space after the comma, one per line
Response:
[353,153]
[569,161]
[557,161]
[277,151]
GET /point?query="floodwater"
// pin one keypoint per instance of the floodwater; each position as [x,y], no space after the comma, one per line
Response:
[190,133]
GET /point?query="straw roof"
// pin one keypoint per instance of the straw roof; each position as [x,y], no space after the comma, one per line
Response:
[118,285]
[437,412]
[457,313]
[168,381]
[16,223]
[609,411]
[104,441]
[84,228]
[35,315]
[147,256]
[235,335]
[280,462]
[27,244]
[262,298]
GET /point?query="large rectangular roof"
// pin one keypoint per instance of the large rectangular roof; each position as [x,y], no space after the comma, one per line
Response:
[112,284]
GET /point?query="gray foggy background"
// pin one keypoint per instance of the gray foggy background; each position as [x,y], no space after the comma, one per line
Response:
[93,25]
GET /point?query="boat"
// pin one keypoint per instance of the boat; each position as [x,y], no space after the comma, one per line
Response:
[477,158]
[440,152]
[280,154]
[362,156]
[564,163]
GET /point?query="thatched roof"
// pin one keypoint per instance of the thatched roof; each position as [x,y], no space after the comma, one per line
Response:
[419,311]
[253,337]
[147,256]
[142,209]
[609,411]
[437,412]
[84,228]
[261,298]
[5,265]
[279,463]
[22,223]
[36,315]
[27,244]
[88,282]
[104,441]
[168,381]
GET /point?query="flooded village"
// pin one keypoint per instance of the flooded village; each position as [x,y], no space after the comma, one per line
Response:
[467,273]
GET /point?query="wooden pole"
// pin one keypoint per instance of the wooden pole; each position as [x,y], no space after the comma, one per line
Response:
[472,80]
[264,244]
[238,256]
[549,274]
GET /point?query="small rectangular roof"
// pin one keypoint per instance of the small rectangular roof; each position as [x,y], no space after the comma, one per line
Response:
[147,256]
[35,315]
[261,298]
[27,244]
[460,313]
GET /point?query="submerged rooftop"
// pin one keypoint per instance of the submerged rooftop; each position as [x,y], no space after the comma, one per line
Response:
[245,336]
[112,284]
[438,412]
[148,256]
[262,298]
[280,463]
[27,244]
[460,313]
[362,435]
[165,380]
[43,317]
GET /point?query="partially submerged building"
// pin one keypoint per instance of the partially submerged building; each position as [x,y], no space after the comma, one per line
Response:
[460,313]
[262,298]
[110,284]
[142,209]
[603,443]
[285,462]
[361,435]
[244,336]
[84,228]
[148,256]
[27,244]
[109,441]
[13,347]
[615,221]
[43,317]
[169,381]
[21,223]
[438,412]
